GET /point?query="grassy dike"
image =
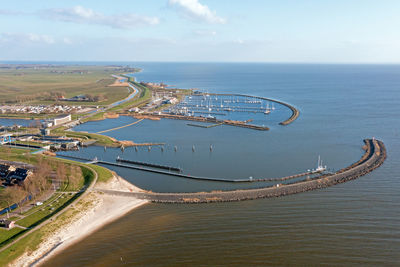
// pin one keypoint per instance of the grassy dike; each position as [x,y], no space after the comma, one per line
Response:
[43,223]
[102,140]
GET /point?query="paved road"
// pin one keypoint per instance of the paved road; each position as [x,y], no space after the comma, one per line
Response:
[55,215]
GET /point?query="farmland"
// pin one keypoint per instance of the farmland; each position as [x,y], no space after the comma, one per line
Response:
[44,84]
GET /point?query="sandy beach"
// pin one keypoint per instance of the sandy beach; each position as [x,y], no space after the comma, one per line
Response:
[92,212]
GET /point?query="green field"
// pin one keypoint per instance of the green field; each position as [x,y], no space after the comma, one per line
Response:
[46,210]
[6,235]
[29,84]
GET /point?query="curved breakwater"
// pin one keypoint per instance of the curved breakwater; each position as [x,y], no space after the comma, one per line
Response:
[374,156]
[292,118]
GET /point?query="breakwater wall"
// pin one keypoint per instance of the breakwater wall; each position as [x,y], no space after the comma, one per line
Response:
[374,156]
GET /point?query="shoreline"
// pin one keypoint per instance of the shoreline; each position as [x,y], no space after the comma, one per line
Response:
[91,213]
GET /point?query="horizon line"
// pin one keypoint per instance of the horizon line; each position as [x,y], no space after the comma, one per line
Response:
[200,62]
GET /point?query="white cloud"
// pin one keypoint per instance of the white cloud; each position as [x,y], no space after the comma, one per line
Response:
[41,38]
[205,33]
[82,15]
[66,40]
[194,10]
[30,38]
[239,41]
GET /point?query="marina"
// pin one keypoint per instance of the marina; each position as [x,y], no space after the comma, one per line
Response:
[226,106]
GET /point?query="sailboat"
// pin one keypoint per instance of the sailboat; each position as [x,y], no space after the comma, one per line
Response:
[267,109]
[320,167]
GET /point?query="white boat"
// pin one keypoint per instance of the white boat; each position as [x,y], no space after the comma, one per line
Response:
[320,167]
[267,109]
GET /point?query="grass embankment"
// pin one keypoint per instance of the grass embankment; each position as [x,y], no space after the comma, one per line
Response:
[50,207]
[17,154]
[144,97]
[32,241]
[26,85]
[7,235]
[101,140]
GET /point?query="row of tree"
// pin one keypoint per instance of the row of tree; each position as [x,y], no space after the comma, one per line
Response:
[71,176]
[40,181]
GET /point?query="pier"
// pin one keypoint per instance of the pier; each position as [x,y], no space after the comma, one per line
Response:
[374,156]
[209,120]
[169,168]
[177,172]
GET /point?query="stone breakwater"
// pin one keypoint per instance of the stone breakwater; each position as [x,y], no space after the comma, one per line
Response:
[374,156]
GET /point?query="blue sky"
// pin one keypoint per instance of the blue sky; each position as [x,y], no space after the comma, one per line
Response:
[315,31]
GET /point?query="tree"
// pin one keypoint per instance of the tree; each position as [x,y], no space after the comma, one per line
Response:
[61,173]
[41,178]
[75,176]
[5,197]
[30,187]
[12,195]
[18,194]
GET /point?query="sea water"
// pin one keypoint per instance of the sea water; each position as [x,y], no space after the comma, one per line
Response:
[354,223]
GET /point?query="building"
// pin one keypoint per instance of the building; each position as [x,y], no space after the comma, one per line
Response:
[5,170]
[19,175]
[12,175]
[45,131]
[5,138]
[62,119]
[78,98]
[8,224]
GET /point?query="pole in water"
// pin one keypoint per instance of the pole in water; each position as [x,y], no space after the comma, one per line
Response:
[136,148]
[211,148]
[193,148]
[175,148]
[149,148]
[105,148]
[162,149]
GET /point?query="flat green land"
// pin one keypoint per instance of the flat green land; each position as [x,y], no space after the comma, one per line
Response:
[29,84]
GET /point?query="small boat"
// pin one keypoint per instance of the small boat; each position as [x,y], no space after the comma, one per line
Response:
[320,167]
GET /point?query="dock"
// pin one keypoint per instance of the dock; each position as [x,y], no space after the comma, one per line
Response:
[374,156]
[169,168]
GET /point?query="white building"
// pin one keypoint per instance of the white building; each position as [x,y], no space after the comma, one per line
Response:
[62,119]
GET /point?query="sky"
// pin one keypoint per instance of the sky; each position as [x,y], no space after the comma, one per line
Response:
[298,31]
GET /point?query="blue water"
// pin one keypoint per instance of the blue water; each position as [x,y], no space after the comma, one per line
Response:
[355,223]
[11,122]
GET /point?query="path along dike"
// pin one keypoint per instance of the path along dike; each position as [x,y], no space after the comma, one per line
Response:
[374,156]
